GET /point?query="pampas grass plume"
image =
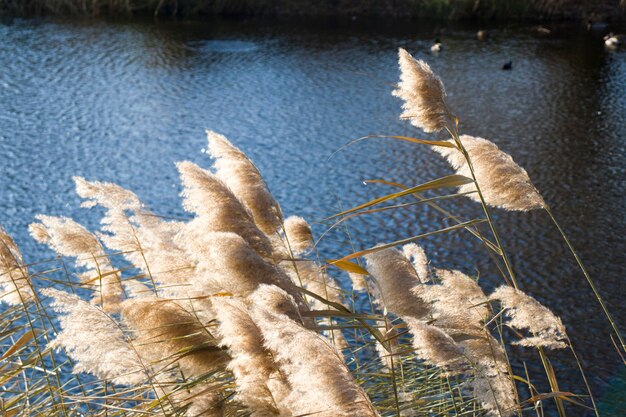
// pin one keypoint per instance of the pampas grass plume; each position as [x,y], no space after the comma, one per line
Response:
[423,94]
[228,263]
[395,278]
[166,332]
[106,194]
[15,286]
[359,281]
[217,209]
[495,391]
[435,346]
[259,384]
[298,234]
[458,304]
[417,256]
[527,313]
[320,381]
[502,182]
[112,357]
[68,238]
[238,172]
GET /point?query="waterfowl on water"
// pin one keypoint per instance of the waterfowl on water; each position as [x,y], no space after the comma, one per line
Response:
[541,30]
[437,46]
[614,41]
[592,26]
[481,35]
[507,66]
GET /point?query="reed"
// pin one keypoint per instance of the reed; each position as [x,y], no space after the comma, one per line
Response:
[440,9]
[231,312]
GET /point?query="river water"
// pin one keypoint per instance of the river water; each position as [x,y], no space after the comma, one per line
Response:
[122,102]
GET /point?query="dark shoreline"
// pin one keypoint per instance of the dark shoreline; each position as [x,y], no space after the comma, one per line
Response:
[485,10]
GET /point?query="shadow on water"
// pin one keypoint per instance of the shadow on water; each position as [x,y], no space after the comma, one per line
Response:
[122,102]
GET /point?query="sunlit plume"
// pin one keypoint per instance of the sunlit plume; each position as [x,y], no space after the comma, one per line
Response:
[320,381]
[167,334]
[227,263]
[240,175]
[458,304]
[15,285]
[359,281]
[143,238]
[395,278]
[217,209]
[68,238]
[392,341]
[526,313]
[311,276]
[435,346]
[260,386]
[112,358]
[423,94]
[417,256]
[502,182]
[298,234]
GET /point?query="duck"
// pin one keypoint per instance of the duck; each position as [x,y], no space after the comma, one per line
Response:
[507,66]
[596,26]
[541,30]
[481,35]
[614,41]
[437,46]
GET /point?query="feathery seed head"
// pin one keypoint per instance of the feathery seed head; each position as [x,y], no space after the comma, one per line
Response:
[241,175]
[298,233]
[217,209]
[39,232]
[423,94]
[233,266]
[359,282]
[435,346]
[502,182]
[112,357]
[15,286]
[458,307]
[395,278]
[272,299]
[316,280]
[259,384]
[106,194]
[527,313]
[495,391]
[391,337]
[68,238]
[314,369]
[166,332]
[417,256]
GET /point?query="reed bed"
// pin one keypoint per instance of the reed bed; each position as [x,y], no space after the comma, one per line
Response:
[234,312]
[443,9]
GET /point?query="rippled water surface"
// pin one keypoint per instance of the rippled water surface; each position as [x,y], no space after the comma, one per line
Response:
[122,102]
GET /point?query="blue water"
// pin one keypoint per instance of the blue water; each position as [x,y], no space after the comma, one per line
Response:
[122,102]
